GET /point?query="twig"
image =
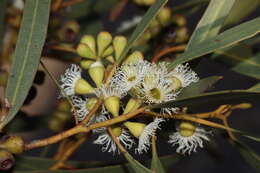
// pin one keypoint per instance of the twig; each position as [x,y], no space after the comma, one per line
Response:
[157,57]
[117,10]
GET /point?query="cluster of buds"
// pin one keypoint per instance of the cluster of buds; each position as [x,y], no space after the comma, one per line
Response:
[10,145]
[134,84]
[61,117]
[163,19]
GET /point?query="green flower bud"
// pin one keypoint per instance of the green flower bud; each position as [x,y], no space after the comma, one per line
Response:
[119,44]
[83,87]
[181,35]
[116,130]
[90,41]
[6,160]
[133,57]
[56,125]
[103,41]
[179,20]
[110,59]
[64,106]
[96,72]
[164,16]
[112,104]
[86,63]
[187,129]
[84,51]
[63,116]
[132,105]
[13,144]
[108,51]
[136,129]
[91,103]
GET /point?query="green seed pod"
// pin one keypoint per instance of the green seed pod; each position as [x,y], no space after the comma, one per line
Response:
[13,144]
[136,129]
[119,44]
[83,87]
[103,41]
[112,104]
[6,160]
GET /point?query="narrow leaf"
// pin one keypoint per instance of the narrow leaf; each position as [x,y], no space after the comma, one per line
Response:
[151,13]
[255,88]
[27,54]
[225,39]
[199,87]
[252,158]
[213,99]
[240,10]
[211,22]
[156,165]
[135,165]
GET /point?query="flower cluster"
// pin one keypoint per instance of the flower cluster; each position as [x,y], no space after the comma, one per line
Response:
[135,83]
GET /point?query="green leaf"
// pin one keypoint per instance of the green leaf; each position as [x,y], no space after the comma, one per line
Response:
[199,87]
[213,99]
[225,39]
[25,164]
[27,54]
[156,165]
[188,4]
[240,10]
[252,158]
[2,17]
[241,60]
[211,22]
[151,13]
[135,165]
[255,88]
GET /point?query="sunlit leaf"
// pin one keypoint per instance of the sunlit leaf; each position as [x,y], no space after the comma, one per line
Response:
[27,54]
[225,39]
[211,22]
[199,87]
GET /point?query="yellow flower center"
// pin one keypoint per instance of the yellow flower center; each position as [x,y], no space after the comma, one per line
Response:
[187,129]
[155,93]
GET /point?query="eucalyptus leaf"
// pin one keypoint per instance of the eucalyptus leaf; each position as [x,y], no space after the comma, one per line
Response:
[240,10]
[211,22]
[27,54]
[199,87]
[213,99]
[149,15]
[156,165]
[135,165]
[252,158]
[255,88]
[225,39]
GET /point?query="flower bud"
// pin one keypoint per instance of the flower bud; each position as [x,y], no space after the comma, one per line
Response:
[6,160]
[112,104]
[13,144]
[63,116]
[68,31]
[116,131]
[86,63]
[164,16]
[83,87]
[91,103]
[119,44]
[181,35]
[148,2]
[63,106]
[187,129]
[84,51]
[136,129]
[96,72]
[134,57]
[90,41]
[108,51]
[132,105]
[110,59]
[179,20]
[56,125]
[103,41]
